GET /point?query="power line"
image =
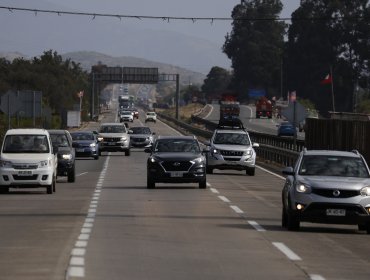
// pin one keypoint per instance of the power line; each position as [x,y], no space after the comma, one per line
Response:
[172,18]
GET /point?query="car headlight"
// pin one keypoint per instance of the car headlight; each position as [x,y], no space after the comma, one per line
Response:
[92,145]
[248,153]
[197,160]
[4,163]
[43,163]
[67,156]
[302,188]
[123,139]
[100,138]
[214,151]
[153,159]
[365,191]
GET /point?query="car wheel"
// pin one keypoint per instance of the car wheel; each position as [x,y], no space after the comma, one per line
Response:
[72,175]
[49,189]
[250,171]
[96,157]
[99,153]
[203,184]
[283,218]
[209,170]
[4,189]
[54,184]
[127,153]
[292,221]
[150,184]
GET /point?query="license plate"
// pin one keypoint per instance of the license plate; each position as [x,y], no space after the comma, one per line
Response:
[176,174]
[335,212]
[80,150]
[111,144]
[25,173]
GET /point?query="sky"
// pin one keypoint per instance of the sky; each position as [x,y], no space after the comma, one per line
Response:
[27,24]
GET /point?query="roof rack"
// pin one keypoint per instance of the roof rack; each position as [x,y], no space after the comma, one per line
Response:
[230,122]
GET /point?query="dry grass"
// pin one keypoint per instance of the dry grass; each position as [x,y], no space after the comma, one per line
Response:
[185,112]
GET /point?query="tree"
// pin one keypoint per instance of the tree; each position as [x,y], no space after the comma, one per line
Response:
[218,80]
[255,46]
[324,35]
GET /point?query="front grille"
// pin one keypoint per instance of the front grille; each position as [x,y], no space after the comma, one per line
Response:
[232,159]
[231,153]
[138,139]
[329,193]
[113,139]
[25,166]
[176,165]
[24,178]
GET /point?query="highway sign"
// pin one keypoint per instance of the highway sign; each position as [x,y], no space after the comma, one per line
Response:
[10,103]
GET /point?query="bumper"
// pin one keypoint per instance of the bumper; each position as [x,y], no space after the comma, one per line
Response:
[114,146]
[238,164]
[351,214]
[195,176]
[36,178]
[87,153]
[64,167]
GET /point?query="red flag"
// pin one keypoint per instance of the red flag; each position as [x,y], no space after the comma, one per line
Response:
[327,80]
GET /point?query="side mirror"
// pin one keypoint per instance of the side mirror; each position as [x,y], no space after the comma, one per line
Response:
[288,171]
[130,132]
[255,145]
[55,149]
[207,143]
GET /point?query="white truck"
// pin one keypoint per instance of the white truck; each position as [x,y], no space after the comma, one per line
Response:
[27,160]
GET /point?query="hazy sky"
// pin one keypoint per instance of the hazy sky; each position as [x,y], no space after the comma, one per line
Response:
[214,32]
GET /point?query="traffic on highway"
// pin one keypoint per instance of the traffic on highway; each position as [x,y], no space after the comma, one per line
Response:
[112,223]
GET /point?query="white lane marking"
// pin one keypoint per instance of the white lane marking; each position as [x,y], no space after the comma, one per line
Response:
[89,220]
[81,244]
[316,277]
[81,174]
[272,173]
[74,271]
[86,230]
[214,190]
[77,261]
[286,251]
[256,226]
[88,225]
[236,209]
[210,112]
[223,198]
[84,236]
[78,252]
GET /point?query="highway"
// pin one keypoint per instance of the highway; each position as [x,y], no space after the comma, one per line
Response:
[108,225]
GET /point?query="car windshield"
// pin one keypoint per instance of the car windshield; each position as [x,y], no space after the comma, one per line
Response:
[177,146]
[82,136]
[59,140]
[150,114]
[324,165]
[26,144]
[113,129]
[140,130]
[231,139]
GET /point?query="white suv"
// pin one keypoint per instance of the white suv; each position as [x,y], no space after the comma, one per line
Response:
[27,160]
[151,117]
[231,148]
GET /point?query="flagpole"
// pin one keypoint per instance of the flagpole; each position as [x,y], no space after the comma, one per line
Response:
[332,87]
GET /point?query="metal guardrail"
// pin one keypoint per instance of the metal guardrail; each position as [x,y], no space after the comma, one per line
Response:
[281,151]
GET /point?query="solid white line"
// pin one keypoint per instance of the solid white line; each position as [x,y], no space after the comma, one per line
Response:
[236,209]
[256,226]
[74,271]
[316,277]
[214,190]
[224,199]
[272,173]
[83,173]
[286,251]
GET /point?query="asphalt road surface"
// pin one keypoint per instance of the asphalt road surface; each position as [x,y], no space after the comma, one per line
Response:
[108,225]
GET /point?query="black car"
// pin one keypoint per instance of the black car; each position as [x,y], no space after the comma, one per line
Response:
[86,144]
[176,159]
[62,142]
[141,136]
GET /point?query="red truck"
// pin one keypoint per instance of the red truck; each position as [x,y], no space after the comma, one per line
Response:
[263,108]
[229,106]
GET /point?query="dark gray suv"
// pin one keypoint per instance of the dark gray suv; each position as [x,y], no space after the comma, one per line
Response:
[330,187]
